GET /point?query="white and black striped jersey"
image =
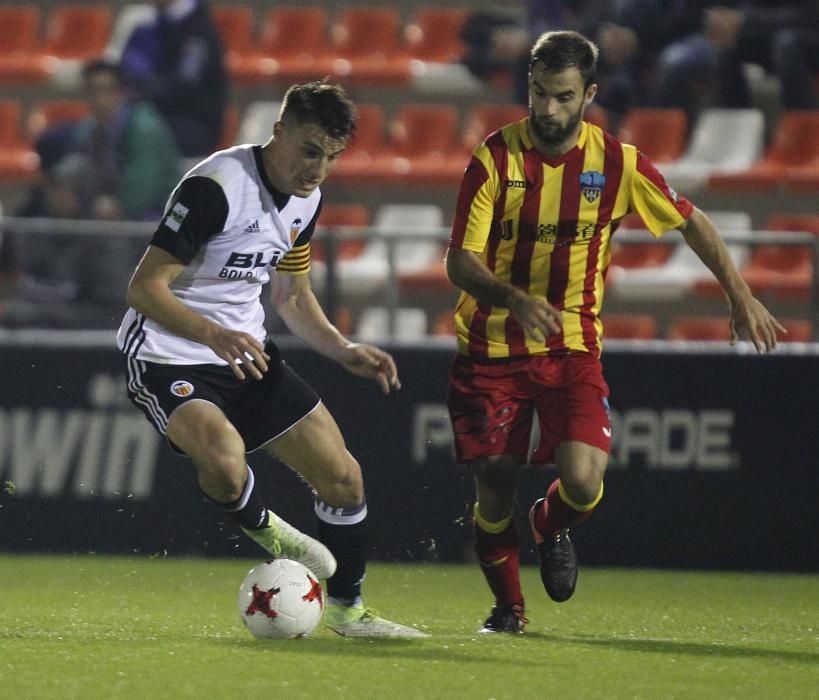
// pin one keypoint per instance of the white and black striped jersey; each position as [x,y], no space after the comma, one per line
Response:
[230,227]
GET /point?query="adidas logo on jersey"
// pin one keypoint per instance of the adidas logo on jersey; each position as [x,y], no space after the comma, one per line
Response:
[252,228]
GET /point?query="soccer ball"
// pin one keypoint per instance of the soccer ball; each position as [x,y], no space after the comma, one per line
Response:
[281,599]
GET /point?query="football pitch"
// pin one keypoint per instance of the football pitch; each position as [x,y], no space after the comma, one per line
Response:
[108,627]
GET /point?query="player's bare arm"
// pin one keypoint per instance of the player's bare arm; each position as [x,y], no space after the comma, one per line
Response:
[748,315]
[538,318]
[297,305]
[149,293]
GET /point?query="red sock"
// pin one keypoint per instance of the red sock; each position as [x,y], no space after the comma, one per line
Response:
[499,557]
[557,514]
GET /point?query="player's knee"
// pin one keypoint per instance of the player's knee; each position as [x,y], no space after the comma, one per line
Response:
[497,475]
[222,468]
[342,484]
[222,482]
[582,488]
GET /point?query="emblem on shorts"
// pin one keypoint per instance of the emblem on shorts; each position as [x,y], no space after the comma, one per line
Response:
[181,388]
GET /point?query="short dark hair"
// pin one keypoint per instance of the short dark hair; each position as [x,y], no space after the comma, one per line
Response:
[98,66]
[321,103]
[560,50]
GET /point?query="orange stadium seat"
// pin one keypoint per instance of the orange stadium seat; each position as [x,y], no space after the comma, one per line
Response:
[292,47]
[367,47]
[792,153]
[17,160]
[341,215]
[434,34]
[629,326]
[425,141]
[794,222]
[699,328]
[19,36]
[659,133]
[235,24]
[365,159]
[486,118]
[799,331]
[77,32]
[631,255]
[803,178]
[784,271]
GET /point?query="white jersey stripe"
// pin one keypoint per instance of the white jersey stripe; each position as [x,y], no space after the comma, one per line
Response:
[144,398]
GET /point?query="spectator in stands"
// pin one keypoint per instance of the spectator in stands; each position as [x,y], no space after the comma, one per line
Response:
[176,61]
[706,65]
[131,157]
[630,35]
[530,242]
[67,280]
[494,42]
[119,163]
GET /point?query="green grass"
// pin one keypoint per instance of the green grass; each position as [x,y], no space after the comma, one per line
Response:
[103,627]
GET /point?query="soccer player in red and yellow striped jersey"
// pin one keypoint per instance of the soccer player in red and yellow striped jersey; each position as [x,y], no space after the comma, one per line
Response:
[531,244]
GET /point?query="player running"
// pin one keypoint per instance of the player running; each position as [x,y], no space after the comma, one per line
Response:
[530,247]
[198,364]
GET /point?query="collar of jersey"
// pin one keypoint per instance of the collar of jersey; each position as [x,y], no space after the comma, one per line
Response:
[530,146]
[280,199]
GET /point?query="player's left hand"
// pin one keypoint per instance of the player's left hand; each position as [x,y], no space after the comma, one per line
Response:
[373,363]
[750,319]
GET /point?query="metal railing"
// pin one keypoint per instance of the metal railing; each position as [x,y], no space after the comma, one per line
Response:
[117,233]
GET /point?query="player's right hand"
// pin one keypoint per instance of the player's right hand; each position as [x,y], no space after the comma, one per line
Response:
[538,318]
[241,351]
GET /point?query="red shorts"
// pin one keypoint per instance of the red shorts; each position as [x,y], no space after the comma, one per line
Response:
[491,405]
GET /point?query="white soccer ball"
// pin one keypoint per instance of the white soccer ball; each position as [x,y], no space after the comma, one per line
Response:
[281,599]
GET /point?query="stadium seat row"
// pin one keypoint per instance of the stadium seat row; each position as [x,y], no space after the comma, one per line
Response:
[781,271]
[424,144]
[19,129]
[72,32]
[726,149]
[362,45]
[413,323]
[638,271]
[368,45]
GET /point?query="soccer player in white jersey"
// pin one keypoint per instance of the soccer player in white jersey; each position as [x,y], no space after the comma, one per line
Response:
[198,364]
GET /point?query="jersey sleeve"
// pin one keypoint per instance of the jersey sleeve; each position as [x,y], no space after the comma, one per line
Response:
[297,260]
[476,204]
[197,211]
[659,206]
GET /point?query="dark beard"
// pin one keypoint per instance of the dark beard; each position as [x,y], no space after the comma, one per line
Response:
[552,135]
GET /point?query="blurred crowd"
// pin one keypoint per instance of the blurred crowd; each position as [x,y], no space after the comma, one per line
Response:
[663,53]
[158,100]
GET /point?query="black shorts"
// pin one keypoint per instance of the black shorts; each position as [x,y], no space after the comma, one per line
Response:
[260,409]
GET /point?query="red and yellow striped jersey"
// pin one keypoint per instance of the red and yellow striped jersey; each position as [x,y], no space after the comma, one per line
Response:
[544,225]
